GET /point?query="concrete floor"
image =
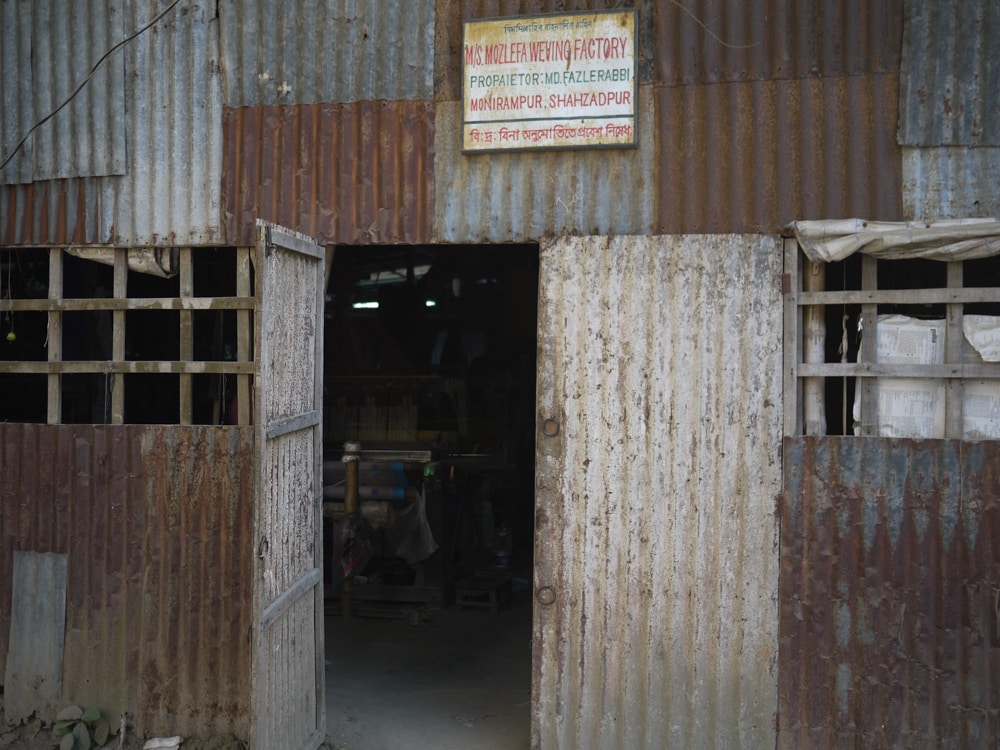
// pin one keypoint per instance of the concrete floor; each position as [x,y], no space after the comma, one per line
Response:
[461,679]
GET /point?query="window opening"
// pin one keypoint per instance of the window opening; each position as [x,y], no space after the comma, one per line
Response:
[905,347]
[115,335]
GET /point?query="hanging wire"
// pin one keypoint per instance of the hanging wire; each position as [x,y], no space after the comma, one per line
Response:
[84,82]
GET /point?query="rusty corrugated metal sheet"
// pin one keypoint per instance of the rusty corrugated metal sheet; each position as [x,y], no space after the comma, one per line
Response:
[326,51]
[949,112]
[658,465]
[950,74]
[358,173]
[801,123]
[890,577]
[716,41]
[168,191]
[156,525]
[517,197]
[751,157]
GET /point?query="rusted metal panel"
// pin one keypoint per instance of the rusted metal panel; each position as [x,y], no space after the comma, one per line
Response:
[155,523]
[518,197]
[714,41]
[359,173]
[658,465]
[719,41]
[890,577]
[326,51]
[950,74]
[168,191]
[950,182]
[752,157]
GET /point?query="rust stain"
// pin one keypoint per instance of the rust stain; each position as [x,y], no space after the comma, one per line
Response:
[889,567]
[357,173]
[156,524]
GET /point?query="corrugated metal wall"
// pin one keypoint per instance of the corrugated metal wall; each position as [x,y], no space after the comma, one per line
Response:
[890,582]
[357,173]
[514,197]
[786,114]
[324,51]
[752,157]
[950,114]
[54,48]
[168,191]
[760,116]
[156,526]
[658,468]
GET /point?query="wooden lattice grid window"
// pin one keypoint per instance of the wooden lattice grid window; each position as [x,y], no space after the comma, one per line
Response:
[167,356]
[839,381]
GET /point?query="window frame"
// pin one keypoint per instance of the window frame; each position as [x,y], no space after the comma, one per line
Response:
[801,377]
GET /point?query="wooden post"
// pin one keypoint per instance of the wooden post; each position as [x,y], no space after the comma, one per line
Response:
[869,349]
[814,351]
[954,339]
[352,509]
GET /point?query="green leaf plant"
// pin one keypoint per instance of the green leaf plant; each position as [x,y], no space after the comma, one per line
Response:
[80,729]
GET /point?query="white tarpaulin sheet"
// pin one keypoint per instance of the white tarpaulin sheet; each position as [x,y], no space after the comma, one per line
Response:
[158,261]
[957,239]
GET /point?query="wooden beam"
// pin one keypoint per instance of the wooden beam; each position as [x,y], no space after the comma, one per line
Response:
[792,343]
[132,303]
[869,348]
[872,370]
[935,296]
[186,352]
[244,354]
[118,337]
[954,338]
[54,338]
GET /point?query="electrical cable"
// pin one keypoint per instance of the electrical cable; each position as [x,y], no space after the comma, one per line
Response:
[84,82]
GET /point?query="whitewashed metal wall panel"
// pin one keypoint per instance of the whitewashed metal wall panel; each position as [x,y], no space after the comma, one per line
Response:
[658,469]
[326,51]
[521,197]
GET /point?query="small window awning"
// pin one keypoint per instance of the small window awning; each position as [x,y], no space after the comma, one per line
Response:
[949,240]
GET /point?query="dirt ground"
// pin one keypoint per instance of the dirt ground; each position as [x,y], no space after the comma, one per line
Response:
[458,680]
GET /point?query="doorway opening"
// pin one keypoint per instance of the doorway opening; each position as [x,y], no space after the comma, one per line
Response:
[429,375]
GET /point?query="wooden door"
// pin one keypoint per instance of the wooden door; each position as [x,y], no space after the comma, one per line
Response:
[287,676]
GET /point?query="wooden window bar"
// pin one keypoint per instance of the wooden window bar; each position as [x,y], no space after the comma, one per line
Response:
[797,371]
[119,304]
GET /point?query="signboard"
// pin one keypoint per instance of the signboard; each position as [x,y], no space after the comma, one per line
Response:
[554,81]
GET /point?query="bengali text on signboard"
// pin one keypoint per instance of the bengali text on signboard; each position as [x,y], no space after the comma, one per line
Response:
[561,81]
